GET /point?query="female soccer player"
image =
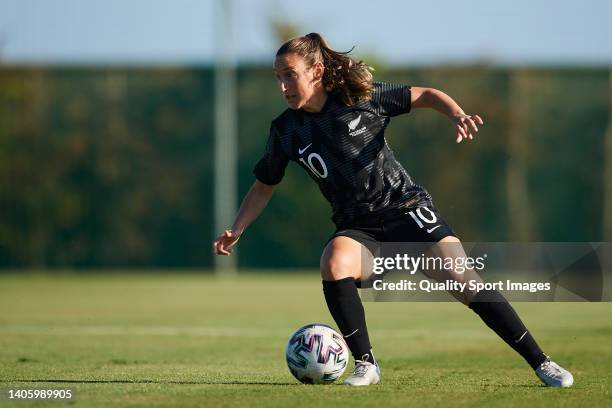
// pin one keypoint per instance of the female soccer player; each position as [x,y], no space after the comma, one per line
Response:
[334,129]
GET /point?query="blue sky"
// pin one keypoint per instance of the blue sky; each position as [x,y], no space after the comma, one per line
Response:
[400,32]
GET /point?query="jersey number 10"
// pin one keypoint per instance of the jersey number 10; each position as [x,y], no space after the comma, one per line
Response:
[312,157]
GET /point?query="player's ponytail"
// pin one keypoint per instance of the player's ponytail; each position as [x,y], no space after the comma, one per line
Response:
[349,79]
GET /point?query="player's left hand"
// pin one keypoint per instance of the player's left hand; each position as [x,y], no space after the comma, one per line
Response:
[465,125]
[224,243]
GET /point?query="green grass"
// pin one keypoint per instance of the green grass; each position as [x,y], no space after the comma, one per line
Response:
[193,340]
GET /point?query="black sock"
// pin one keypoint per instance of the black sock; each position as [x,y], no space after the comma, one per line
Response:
[497,313]
[345,307]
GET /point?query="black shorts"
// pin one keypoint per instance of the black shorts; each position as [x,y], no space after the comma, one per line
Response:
[419,224]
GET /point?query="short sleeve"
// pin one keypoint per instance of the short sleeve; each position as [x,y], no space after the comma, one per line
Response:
[391,99]
[270,169]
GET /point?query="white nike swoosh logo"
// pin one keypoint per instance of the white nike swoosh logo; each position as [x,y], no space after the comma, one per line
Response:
[300,151]
[349,335]
[352,125]
[429,231]
[520,338]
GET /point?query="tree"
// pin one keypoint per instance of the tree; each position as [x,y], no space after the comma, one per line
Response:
[607,176]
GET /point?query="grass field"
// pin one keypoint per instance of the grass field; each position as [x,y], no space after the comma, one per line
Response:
[192,340]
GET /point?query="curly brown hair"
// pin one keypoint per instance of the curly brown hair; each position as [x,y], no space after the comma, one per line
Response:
[350,79]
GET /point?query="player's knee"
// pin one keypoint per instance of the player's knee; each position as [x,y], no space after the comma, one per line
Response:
[338,267]
[450,238]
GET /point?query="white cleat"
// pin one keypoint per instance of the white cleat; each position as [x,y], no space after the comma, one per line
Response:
[365,373]
[553,375]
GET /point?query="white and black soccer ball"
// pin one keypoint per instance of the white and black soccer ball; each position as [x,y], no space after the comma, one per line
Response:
[317,354]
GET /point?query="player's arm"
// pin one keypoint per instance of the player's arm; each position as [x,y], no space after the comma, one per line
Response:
[441,102]
[252,205]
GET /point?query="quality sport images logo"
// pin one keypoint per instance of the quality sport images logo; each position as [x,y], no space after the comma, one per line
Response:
[521,271]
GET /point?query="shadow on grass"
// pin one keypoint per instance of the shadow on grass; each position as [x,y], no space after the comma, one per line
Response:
[62,381]
[272,383]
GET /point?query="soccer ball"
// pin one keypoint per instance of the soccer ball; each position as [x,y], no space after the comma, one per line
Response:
[316,354]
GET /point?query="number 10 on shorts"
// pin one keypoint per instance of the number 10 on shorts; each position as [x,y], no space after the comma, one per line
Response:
[418,216]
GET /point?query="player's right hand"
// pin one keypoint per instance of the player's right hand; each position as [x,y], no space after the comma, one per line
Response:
[224,243]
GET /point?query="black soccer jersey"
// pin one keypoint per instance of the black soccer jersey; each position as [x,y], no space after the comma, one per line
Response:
[344,150]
